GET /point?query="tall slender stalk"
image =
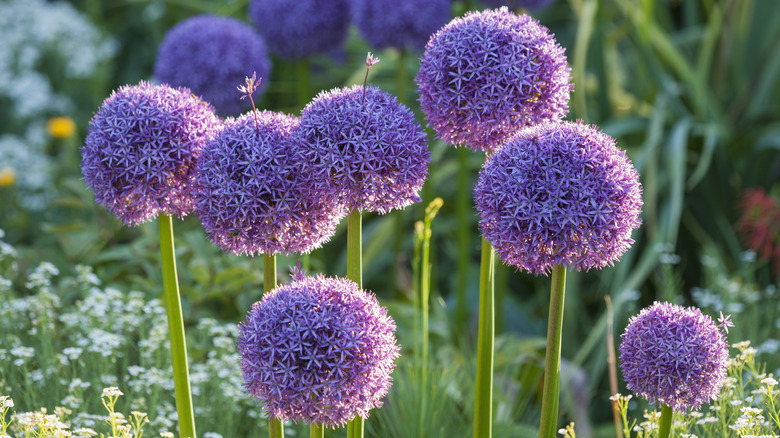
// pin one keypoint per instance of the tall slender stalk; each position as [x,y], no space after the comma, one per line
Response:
[316,430]
[552,364]
[181,373]
[483,408]
[275,426]
[665,423]
[355,273]
[464,236]
[425,291]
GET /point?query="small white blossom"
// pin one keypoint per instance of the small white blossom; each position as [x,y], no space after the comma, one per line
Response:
[111,391]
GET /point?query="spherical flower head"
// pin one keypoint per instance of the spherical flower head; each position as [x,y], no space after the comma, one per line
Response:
[209,55]
[298,29]
[365,146]
[559,193]
[518,4]
[487,74]
[674,355]
[141,147]
[318,350]
[406,25]
[252,196]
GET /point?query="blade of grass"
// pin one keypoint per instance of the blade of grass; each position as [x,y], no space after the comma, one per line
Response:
[675,167]
[585,21]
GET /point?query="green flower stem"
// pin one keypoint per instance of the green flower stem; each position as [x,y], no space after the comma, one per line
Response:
[464,235]
[552,363]
[425,292]
[269,272]
[181,373]
[275,426]
[665,423]
[355,273]
[316,431]
[483,409]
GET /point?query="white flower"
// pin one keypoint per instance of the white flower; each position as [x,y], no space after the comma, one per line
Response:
[6,401]
[84,432]
[111,391]
[769,381]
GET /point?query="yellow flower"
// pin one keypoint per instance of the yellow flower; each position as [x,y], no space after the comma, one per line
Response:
[7,176]
[61,127]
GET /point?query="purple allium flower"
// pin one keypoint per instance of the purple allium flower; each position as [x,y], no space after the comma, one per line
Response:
[298,29]
[406,25]
[489,73]
[559,193]
[209,55]
[366,146]
[675,355]
[318,350]
[140,152]
[518,4]
[252,196]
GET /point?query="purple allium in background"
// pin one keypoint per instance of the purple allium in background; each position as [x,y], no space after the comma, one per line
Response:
[559,193]
[318,350]
[296,29]
[366,146]
[140,151]
[489,73]
[406,24]
[252,196]
[518,4]
[209,55]
[674,355]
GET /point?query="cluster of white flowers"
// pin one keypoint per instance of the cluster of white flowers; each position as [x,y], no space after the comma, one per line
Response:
[36,30]
[108,330]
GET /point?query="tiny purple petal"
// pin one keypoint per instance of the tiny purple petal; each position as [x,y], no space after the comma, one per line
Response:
[724,322]
[371,60]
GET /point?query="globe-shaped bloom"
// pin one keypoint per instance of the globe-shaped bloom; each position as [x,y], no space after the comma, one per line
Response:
[674,355]
[140,152]
[252,196]
[559,193]
[301,28]
[209,55]
[366,147]
[487,74]
[318,350]
[406,25]
[518,4]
